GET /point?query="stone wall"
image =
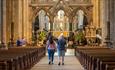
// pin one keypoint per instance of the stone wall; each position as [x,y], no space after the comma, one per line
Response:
[4,23]
[103,19]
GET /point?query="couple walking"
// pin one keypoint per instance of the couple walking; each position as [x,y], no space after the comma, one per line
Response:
[60,47]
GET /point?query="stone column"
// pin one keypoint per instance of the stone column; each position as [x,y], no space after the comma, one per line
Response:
[3,30]
[95,13]
[108,24]
[30,23]
[111,20]
[103,18]
[12,19]
[114,24]
[20,19]
[51,22]
[25,18]
[70,23]
[0,18]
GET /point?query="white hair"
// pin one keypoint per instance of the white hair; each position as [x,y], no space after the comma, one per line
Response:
[60,36]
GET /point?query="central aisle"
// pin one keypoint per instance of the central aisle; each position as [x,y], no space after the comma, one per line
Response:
[71,63]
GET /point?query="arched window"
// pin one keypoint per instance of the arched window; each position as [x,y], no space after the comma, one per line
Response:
[42,18]
[47,23]
[80,20]
[44,21]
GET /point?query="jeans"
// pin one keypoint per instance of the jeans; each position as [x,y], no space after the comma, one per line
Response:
[51,54]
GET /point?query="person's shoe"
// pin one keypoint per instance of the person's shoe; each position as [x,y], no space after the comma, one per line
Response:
[62,63]
[59,63]
[49,62]
[52,63]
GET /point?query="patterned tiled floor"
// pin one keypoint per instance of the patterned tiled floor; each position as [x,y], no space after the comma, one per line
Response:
[71,63]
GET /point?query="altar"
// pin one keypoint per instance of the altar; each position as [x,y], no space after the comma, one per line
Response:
[57,33]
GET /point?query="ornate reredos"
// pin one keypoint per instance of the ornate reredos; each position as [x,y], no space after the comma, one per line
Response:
[53,6]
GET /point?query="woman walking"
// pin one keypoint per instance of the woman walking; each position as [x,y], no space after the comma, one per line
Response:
[51,47]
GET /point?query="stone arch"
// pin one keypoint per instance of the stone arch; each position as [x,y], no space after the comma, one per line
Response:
[38,10]
[42,18]
[86,13]
[35,12]
[65,11]
[79,8]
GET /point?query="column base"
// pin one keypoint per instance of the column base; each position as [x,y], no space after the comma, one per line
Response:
[3,46]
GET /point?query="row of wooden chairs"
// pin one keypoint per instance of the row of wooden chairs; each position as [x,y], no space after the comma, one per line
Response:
[20,58]
[96,58]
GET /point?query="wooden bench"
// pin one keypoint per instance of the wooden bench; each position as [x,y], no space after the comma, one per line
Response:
[20,58]
[3,65]
[93,58]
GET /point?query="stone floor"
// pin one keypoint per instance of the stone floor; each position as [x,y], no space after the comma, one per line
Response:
[71,63]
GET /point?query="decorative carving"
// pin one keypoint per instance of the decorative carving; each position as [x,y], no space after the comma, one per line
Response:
[67,1]
[56,5]
[61,5]
[70,8]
